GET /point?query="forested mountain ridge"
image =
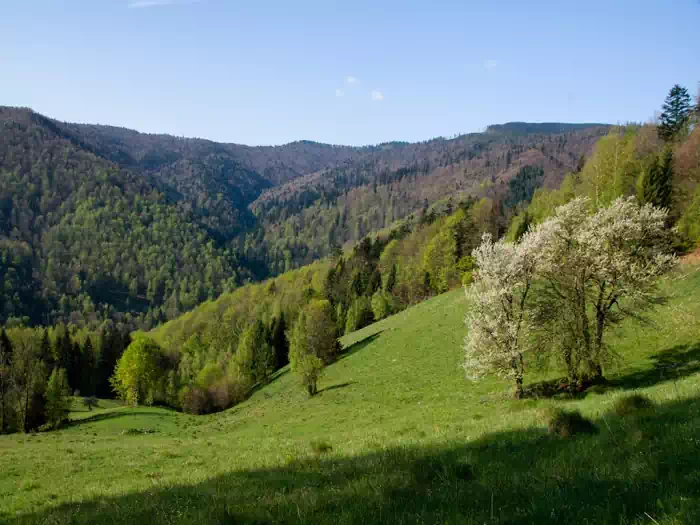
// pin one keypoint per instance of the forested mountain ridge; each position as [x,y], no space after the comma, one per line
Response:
[303,219]
[99,222]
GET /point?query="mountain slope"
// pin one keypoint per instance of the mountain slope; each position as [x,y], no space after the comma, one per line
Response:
[393,181]
[424,446]
[105,223]
[83,239]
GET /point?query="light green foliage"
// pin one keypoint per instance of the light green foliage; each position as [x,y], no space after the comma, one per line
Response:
[57,397]
[359,314]
[313,342]
[255,357]
[545,201]
[381,305]
[440,260]
[612,170]
[689,223]
[138,371]
[28,377]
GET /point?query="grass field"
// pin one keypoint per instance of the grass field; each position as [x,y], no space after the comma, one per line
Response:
[396,435]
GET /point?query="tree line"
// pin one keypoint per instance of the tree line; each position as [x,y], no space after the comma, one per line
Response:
[217,354]
[40,369]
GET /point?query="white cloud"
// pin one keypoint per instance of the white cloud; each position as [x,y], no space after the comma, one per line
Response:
[377,95]
[490,64]
[143,4]
[339,93]
[351,80]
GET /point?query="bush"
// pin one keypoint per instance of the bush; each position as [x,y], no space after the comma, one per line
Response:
[196,401]
[567,424]
[632,403]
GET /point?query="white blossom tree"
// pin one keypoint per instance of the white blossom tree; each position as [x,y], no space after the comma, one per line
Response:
[498,316]
[563,286]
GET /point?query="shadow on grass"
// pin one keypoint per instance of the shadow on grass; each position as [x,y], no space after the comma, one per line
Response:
[259,386]
[117,413]
[636,468]
[335,387]
[669,365]
[359,345]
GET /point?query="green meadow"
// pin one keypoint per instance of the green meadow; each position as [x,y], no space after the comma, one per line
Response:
[395,435]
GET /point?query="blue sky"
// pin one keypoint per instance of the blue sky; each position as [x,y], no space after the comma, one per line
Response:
[351,72]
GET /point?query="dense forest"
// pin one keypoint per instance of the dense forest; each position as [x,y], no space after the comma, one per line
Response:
[80,231]
[106,224]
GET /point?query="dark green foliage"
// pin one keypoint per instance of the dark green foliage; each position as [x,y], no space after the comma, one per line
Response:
[569,423]
[633,403]
[657,183]
[5,378]
[676,113]
[522,186]
[278,341]
[91,402]
[87,368]
[112,346]
[391,280]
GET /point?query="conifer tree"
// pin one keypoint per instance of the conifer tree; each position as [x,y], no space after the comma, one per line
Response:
[87,387]
[676,113]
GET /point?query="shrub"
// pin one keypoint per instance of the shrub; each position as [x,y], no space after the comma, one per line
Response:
[632,403]
[195,400]
[567,424]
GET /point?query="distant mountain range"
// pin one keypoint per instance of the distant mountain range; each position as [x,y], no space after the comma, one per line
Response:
[104,223]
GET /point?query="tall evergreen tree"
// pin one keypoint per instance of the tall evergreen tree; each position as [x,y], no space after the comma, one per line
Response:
[46,352]
[656,185]
[88,369]
[279,342]
[676,113]
[76,373]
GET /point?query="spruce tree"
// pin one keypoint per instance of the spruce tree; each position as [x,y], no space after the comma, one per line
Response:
[46,353]
[391,281]
[88,369]
[279,342]
[657,183]
[676,113]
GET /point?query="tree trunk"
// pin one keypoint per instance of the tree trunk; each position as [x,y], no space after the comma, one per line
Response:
[518,394]
[3,417]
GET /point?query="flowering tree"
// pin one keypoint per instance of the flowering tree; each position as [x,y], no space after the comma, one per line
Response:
[563,286]
[498,318]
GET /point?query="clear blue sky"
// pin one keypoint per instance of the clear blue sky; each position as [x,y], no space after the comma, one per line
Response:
[350,72]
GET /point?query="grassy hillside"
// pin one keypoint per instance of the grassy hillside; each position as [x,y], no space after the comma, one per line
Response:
[396,435]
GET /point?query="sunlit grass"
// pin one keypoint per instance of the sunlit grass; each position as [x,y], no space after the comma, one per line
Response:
[396,435]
